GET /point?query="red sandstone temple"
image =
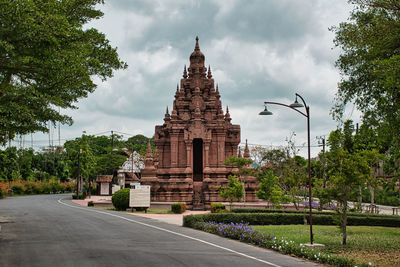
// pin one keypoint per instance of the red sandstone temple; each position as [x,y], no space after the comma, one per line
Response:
[193,143]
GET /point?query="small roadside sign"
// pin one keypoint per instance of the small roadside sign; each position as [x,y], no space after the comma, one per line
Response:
[139,196]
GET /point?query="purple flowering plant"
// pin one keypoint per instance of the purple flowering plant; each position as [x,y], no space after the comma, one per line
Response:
[246,233]
[239,231]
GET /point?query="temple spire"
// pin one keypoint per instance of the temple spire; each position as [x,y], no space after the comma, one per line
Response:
[149,153]
[167,118]
[240,153]
[185,72]
[174,113]
[197,59]
[246,153]
[177,91]
[227,115]
[209,75]
[148,161]
[197,47]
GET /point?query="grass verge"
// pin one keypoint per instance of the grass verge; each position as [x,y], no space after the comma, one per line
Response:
[378,245]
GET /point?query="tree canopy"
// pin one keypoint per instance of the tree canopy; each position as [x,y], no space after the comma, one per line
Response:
[370,66]
[47,61]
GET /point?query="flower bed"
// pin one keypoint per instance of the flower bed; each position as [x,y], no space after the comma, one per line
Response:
[245,233]
[29,187]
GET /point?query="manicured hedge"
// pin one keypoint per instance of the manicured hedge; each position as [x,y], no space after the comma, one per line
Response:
[287,218]
[178,208]
[249,210]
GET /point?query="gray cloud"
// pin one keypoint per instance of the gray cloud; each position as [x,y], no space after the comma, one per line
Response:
[258,51]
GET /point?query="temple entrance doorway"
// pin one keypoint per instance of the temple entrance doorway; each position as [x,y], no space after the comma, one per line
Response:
[197,160]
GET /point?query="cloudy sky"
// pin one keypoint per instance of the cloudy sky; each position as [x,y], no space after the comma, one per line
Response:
[265,50]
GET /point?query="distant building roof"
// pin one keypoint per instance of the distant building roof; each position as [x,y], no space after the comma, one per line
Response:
[104,178]
[134,161]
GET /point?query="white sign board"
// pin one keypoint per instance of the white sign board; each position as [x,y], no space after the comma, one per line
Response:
[139,196]
[115,188]
[104,189]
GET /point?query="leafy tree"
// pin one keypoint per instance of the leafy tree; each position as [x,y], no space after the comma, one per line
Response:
[347,170]
[370,69]
[9,164]
[79,150]
[293,178]
[232,191]
[373,159]
[275,160]
[25,162]
[241,164]
[47,61]
[269,189]
[109,163]
[242,171]
[138,143]
[258,154]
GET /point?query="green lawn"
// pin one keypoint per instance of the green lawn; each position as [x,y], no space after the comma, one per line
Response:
[378,245]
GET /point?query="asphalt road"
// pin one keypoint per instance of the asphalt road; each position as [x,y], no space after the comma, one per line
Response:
[49,230]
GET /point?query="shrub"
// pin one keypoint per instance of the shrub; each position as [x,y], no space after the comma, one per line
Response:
[17,189]
[1,193]
[217,207]
[90,204]
[288,218]
[45,188]
[69,187]
[29,188]
[178,208]
[120,199]
[80,196]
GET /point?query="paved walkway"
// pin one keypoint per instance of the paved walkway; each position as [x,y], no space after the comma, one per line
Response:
[176,219]
[95,199]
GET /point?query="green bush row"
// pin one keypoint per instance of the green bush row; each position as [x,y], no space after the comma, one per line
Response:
[358,214]
[217,207]
[178,208]
[31,188]
[287,218]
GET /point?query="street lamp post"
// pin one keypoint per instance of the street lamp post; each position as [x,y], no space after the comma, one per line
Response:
[78,180]
[294,107]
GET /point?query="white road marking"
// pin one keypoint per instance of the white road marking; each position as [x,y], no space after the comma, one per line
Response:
[172,232]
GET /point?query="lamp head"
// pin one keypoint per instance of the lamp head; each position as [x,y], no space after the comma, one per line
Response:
[265,111]
[296,104]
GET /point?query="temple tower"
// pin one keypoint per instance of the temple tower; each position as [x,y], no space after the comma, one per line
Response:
[193,142]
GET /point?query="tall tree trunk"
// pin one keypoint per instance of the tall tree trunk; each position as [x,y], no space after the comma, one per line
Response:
[344,222]
[372,191]
[359,195]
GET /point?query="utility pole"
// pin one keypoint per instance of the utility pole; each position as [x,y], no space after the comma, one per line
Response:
[78,179]
[321,142]
[112,139]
